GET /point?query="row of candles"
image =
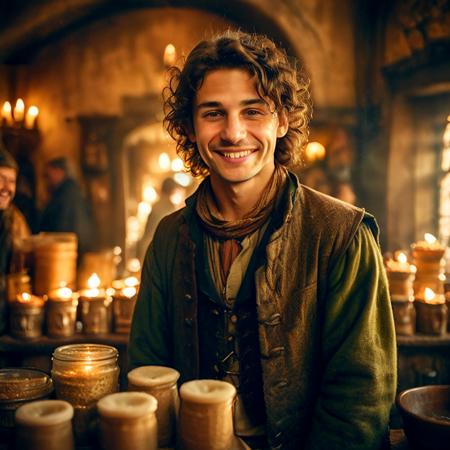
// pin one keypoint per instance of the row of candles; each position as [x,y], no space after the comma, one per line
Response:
[417,290]
[18,116]
[98,309]
[152,414]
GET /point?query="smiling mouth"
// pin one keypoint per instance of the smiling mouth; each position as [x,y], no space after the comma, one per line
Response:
[236,155]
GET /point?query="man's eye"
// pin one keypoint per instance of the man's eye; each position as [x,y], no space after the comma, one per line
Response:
[254,112]
[212,114]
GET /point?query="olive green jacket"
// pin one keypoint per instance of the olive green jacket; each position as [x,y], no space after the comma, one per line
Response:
[326,331]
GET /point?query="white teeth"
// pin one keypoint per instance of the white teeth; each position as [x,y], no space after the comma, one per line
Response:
[235,155]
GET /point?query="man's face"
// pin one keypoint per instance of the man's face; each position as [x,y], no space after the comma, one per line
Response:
[234,128]
[53,177]
[8,178]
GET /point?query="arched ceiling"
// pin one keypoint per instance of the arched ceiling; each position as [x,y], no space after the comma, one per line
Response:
[26,26]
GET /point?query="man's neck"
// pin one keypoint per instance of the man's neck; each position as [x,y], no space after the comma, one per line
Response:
[236,200]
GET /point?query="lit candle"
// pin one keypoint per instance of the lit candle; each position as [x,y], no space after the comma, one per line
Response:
[431,313]
[124,301]
[170,55]
[27,316]
[432,298]
[7,114]
[399,264]
[61,312]
[19,110]
[31,116]
[96,314]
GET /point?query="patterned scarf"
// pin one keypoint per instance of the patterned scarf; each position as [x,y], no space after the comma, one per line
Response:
[229,233]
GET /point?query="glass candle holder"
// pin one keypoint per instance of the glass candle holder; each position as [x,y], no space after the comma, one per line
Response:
[26,316]
[124,302]
[160,382]
[83,374]
[61,316]
[45,425]
[206,415]
[404,317]
[128,422]
[19,386]
[96,314]
[431,317]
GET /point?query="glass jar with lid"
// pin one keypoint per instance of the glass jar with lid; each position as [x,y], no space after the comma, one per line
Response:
[82,375]
[17,387]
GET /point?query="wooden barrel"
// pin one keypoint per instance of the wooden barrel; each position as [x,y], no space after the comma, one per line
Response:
[55,262]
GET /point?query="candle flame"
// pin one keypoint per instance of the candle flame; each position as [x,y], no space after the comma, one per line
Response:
[25,297]
[94,281]
[6,107]
[402,258]
[64,292]
[429,295]
[429,238]
[33,111]
[129,292]
[170,55]
[131,281]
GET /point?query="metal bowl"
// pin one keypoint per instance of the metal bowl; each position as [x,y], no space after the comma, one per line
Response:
[426,416]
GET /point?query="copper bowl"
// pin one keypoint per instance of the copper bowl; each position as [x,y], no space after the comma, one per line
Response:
[426,416]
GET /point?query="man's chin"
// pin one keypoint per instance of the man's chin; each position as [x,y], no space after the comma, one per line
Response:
[4,203]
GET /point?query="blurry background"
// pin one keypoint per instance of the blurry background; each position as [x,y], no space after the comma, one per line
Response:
[95,69]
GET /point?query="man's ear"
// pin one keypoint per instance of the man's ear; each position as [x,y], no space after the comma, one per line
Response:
[283,124]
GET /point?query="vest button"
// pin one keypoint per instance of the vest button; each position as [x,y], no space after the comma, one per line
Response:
[188,322]
[216,368]
[215,312]
[230,338]
[233,318]
[188,297]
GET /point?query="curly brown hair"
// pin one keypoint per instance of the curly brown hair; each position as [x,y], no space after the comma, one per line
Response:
[278,78]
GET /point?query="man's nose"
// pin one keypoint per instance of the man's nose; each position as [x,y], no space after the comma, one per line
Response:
[234,129]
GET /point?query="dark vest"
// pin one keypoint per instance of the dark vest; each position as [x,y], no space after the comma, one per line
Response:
[228,338]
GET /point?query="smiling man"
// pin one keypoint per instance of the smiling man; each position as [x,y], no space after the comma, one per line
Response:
[13,225]
[259,280]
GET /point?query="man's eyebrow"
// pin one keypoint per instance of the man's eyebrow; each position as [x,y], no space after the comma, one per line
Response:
[248,102]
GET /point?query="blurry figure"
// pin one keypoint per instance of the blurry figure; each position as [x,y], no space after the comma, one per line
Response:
[13,227]
[171,198]
[67,210]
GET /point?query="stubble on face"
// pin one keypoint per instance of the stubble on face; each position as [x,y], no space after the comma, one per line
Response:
[8,178]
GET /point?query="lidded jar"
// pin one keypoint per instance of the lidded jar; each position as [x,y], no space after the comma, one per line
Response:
[128,422]
[160,382]
[45,424]
[82,375]
[19,386]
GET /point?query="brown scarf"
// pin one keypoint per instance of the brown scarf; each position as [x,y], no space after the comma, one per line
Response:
[229,232]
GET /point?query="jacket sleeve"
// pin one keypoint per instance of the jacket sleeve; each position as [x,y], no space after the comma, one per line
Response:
[359,353]
[150,337]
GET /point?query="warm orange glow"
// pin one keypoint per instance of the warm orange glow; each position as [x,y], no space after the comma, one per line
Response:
[19,110]
[177,165]
[129,292]
[402,258]
[131,282]
[63,292]
[30,118]
[164,162]
[7,113]
[150,194]
[315,151]
[429,238]
[170,55]
[429,295]
[94,281]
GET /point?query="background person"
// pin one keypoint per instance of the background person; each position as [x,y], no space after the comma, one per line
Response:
[67,209]
[13,227]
